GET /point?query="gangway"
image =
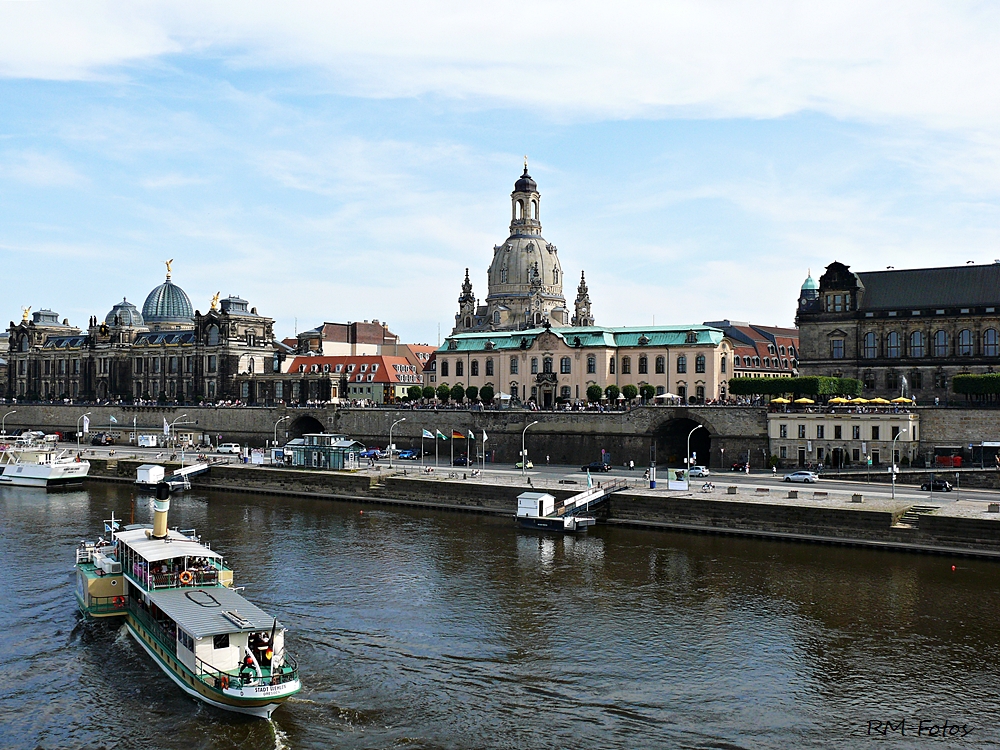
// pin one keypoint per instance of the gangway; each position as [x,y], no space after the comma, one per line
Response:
[540,510]
[191,471]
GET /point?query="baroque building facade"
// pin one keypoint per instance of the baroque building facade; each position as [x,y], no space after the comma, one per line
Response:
[166,352]
[901,331]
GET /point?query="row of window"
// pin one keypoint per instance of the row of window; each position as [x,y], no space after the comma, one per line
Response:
[566,365]
[771,350]
[339,368]
[838,432]
[767,362]
[916,344]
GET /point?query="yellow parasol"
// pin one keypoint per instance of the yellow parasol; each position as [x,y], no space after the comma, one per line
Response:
[780,401]
[902,400]
[880,401]
[804,401]
[838,400]
[858,400]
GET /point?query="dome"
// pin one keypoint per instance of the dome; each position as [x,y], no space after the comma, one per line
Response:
[810,284]
[525,184]
[127,315]
[167,303]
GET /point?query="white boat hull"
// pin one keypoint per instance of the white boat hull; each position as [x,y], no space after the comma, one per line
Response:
[45,475]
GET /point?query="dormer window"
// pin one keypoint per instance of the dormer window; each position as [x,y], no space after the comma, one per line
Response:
[692,338]
[302,368]
[364,368]
[338,368]
[375,368]
[350,368]
[314,368]
[326,368]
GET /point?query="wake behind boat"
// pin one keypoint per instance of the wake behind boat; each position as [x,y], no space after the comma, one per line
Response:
[40,466]
[176,596]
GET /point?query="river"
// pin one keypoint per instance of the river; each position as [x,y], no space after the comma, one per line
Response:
[437,630]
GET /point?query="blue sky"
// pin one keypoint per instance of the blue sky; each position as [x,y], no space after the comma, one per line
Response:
[333,162]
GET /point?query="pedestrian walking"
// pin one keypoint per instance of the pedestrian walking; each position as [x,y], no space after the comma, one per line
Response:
[546,459]
[746,467]
[631,464]
[774,471]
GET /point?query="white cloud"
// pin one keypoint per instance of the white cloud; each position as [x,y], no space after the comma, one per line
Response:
[933,63]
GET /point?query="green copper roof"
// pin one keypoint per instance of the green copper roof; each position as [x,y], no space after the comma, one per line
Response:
[593,336]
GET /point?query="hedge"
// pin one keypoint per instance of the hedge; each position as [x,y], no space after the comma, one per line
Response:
[979,387]
[804,386]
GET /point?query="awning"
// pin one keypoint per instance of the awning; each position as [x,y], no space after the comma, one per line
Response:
[154,550]
[202,611]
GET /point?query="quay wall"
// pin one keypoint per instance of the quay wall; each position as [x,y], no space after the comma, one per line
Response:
[802,520]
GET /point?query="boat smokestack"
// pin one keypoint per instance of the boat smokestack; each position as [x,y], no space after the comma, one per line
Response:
[161,506]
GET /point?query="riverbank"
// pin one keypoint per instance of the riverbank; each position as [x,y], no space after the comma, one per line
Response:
[845,518]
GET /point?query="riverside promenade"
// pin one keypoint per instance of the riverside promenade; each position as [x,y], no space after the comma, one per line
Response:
[860,515]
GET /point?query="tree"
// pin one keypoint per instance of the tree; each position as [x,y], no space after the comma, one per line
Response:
[428,391]
[414,392]
[612,392]
[647,392]
[630,392]
[486,394]
[472,393]
[443,393]
[458,392]
[594,393]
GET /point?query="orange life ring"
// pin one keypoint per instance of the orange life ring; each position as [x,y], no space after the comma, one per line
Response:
[186,577]
[119,602]
[224,682]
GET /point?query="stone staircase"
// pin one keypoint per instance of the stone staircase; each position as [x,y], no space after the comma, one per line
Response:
[912,515]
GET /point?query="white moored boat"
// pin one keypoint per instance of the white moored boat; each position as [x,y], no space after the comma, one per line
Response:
[40,466]
[176,596]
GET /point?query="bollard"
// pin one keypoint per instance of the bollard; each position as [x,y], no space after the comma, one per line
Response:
[731,490]
[793,494]
[993,508]
[856,498]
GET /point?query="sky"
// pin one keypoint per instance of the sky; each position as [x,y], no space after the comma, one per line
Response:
[334,161]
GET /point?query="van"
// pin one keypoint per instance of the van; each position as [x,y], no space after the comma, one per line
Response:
[228,448]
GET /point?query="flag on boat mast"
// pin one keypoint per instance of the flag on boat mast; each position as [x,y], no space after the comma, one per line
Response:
[590,480]
[457,435]
[484,436]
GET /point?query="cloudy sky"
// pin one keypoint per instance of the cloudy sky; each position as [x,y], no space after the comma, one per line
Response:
[347,161]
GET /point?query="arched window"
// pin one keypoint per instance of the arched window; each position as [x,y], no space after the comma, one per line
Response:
[626,365]
[643,365]
[917,344]
[611,366]
[468,322]
[940,344]
[892,380]
[682,363]
[25,343]
[444,368]
[534,209]
[459,368]
[503,275]
[489,367]
[892,344]
[496,317]
[473,368]
[555,275]
[722,364]
[699,363]
[699,393]
[565,365]
[591,364]
[868,350]
[519,210]
[661,365]
[547,364]
[965,347]
[756,362]
[990,343]
[213,335]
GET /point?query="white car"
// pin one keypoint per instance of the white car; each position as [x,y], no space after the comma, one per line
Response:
[802,476]
[699,471]
[228,448]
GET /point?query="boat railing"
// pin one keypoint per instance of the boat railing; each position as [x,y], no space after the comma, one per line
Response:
[100,605]
[206,576]
[155,629]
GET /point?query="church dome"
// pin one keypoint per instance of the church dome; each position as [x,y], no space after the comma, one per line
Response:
[124,314]
[167,303]
[810,284]
[525,184]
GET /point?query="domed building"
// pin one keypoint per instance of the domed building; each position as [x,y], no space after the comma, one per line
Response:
[167,307]
[124,315]
[525,276]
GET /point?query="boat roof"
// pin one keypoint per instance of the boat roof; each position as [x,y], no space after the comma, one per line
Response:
[175,545]
[203,612]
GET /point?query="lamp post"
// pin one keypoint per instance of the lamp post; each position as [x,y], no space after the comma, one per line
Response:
[901,432]
[78,430]
[688,460]
[390,438]
[170,428]
[276,428]
[524,455]
[3,422]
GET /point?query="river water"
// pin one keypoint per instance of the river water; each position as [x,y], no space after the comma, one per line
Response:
[435,630]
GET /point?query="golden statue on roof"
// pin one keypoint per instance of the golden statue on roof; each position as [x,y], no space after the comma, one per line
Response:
[24,313]
[168,262]
[215,300]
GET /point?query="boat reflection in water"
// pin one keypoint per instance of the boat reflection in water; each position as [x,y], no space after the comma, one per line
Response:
[177,599]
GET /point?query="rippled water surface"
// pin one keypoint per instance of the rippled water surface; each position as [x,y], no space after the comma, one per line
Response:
[424,630]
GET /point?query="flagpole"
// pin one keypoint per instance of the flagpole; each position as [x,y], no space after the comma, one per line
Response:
[421,450]
[436,449]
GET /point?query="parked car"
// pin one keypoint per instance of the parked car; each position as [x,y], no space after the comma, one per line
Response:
[596,466]
[228,448]
[738,466]
[938,485]
[699,471]
[102,438]
[409,455]
[461,461]
[371,453]
[802,476]
[529,466]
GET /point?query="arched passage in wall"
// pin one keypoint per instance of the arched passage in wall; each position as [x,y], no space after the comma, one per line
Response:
[672,439]
[303,426]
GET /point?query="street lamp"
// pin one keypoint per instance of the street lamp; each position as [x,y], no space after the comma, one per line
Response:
[699,427]
[78,430]
[3,422]
[524,453]
[170,427]
[276,428]
[901,432]
[390,438]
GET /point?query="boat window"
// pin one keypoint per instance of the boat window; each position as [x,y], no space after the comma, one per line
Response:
[220,641]
[185,640]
